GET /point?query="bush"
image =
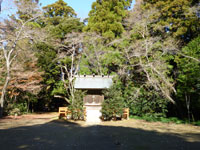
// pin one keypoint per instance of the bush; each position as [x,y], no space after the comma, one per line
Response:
[19,104]
[197,123]
[14,108]
[76,106]
[160,119]
[113,104]
[144,101]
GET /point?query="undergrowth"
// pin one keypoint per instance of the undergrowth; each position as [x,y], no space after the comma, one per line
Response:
[165,120]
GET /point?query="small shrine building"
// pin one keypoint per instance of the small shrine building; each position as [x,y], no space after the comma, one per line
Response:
[94,97]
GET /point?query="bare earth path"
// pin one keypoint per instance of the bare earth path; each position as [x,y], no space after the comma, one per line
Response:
[45,132]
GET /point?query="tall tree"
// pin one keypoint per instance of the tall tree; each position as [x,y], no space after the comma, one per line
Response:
[25,8]
[188,81]
[13,31]
[98,57]
[106,17]
[56,56]
[146,55]
[177,18]
[59,8]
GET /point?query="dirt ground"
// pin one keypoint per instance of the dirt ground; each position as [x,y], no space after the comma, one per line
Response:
[46,132]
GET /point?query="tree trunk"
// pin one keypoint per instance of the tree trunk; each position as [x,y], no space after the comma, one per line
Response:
[32,109]
[28,106]
[5,85]
[1,111]
[187,100]
[3,95]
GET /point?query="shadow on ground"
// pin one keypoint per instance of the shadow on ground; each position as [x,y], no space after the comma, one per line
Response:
[71,136]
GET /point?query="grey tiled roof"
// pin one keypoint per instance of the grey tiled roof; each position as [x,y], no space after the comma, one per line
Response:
[93,82]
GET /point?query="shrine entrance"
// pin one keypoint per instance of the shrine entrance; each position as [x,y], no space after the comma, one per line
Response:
[92,104]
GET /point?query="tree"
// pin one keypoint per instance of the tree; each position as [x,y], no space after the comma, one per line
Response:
[100,57]
[12,32]
[113,104]
[188,83]
[58,54]
[147,56]
[106,17]
[77,106]
[65,26]
[59,8]
[70,61]
[31,8]
[177,18]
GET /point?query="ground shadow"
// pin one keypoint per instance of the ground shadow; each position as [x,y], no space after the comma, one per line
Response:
[71,136]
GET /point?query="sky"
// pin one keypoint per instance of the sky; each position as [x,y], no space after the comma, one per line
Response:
[81,7]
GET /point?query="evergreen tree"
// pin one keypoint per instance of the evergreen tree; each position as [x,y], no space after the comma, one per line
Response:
[106,17]
[188,81]
[179,18]
[56,12]
[59,8]
[61,19]
[54,53]
[26,10]
[113,104]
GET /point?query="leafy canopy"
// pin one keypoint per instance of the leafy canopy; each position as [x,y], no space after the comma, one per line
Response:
[59,8]
[106,17]
[178,18]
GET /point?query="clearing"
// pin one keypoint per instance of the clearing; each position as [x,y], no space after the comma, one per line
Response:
[44,131]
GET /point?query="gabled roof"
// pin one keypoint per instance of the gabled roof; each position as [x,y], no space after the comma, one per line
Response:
[93,82]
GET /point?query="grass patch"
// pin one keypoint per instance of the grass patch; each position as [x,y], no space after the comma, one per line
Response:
[196,123]
[164,120]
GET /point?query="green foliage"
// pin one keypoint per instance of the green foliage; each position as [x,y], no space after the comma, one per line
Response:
[46,60]
[33,25]
[99,58]
[20,104]
[188,81]
[197,123]
[106,17]
[113,104]
[144,101]
[46,55]
[178,17]
[65,26]
[159,119]
[59,89]
[59,8]
[76,106]
[28,8]
[18,109]
[59,21]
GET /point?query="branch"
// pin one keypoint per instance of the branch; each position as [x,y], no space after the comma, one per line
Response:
[58,96]
[195,59]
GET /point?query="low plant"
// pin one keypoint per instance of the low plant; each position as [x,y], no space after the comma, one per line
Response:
[76,106]
[113,104]
[160,119]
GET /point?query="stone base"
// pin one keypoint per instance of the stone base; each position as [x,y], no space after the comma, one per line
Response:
[93,114]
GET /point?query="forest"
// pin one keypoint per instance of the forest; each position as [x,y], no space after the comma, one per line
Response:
[152,50]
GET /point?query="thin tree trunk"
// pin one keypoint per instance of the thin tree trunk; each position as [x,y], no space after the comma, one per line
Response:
[4,92]
[27,106]
[187,100]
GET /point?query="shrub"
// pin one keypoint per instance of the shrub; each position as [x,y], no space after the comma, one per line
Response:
[76,106]
[197,123]
[16,108]
[113,104]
